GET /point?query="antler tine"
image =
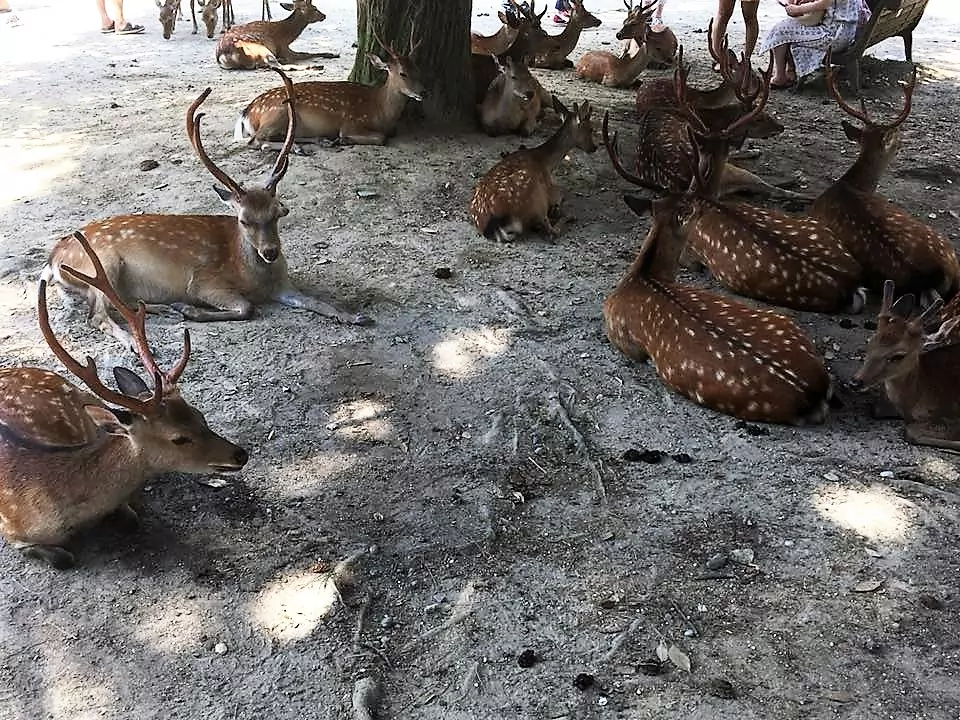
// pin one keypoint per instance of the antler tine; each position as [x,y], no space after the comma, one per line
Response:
[193,132]
[887,302]
[861,114]
[907,99]
[88,373]
[759,101]
[283,158]
[933,309]
[614,152]
[136,319]
[414,46]
[698,179]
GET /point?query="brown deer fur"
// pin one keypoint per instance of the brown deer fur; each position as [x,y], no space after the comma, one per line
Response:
[512,102]
[551,51]
[261,44]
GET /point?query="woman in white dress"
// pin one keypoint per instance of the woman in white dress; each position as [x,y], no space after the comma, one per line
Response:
[807,44]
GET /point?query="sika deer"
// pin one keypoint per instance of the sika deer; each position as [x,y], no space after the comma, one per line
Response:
[518,193]
[759,253]
[551,51]
[888,242]
[637,29]
[948,333]
[169,10]
[346,112]
[209,15]
[752,364]
[512,102]
[498,43]
[921,385]
[610,70]
[206,267]
[68,460]
[261,44]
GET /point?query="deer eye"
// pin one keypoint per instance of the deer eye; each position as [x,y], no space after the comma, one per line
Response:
[181,440]
[895,358]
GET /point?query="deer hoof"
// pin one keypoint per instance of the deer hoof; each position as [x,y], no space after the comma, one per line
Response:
[55,556]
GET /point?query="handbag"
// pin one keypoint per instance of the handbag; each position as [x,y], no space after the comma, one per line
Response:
[811,18]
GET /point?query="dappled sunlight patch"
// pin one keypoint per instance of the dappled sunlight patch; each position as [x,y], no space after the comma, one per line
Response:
[307,476]
[875,512]
[175,626]
[460,355]
[30,166]
[291,607]
[70,692]
[362,419]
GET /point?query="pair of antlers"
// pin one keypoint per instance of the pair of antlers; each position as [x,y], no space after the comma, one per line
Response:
[282,161]
[163,383]
[861,113]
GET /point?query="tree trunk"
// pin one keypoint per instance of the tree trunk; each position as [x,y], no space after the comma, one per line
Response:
[442,29]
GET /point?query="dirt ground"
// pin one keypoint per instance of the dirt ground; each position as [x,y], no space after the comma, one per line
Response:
[466,454]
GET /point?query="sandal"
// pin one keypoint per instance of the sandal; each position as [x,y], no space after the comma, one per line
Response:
[129,29]
[783,86]
[108,29]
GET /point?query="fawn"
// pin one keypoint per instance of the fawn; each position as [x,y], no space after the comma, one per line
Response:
[261,44]
[206,267]
[920,384]
[752,364]
[888,242]
[512,102]
[345,112]
[518,193]
[68,460]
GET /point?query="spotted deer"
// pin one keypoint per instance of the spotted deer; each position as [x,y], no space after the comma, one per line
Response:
[551,51]
[794,262]
[512,102]
[948,330]
[513,24]
[486,67]
[752,364]
[261,44]
[611,70]
[206,267]
[209,15]
[345,112]
[518,193]
[69,457]
[920,383]
[638,29]
[888,242]
[169,10]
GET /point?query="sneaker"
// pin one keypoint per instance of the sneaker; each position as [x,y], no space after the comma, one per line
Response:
[559,20]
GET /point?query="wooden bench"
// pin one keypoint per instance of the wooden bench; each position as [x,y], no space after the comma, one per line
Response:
[890,18]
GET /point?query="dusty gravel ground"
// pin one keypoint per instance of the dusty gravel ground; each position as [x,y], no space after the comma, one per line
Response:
[467,451]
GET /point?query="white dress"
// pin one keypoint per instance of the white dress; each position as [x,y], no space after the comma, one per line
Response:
[808,45]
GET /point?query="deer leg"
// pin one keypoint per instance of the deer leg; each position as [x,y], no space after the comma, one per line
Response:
[291,297]
[221,305]
[294,56]
[946,437]
[362,138]
[736,179]
[55,556]
[193,16]
[100,318]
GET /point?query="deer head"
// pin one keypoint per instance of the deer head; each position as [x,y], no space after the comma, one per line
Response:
[167,432]
[518,76]
[209,15]
[305,10]
[636,25]
[402,73]
[576,124]
[894,350]
[168,16]
[258,209]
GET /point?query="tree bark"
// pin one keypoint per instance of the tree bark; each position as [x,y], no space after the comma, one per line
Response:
[442,29]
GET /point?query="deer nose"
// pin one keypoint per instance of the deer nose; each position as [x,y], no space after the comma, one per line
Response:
[529,95]
[856,383]
[240,457]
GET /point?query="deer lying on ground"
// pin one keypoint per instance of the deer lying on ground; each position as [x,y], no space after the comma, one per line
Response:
[486,68]
[637,29]
[795,262]
[518,193]
[514,23]
[512,102]
[551,51]
[616,70]
[169,10]
[206,267]
[261,44]
[752,364]
[921,385]
[888,242]
[345,112]
[67,459]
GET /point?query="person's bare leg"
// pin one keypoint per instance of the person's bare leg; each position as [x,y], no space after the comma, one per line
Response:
[780,75]
[118,18]
[749,10]
[658,13]
[720,22]
[105,20]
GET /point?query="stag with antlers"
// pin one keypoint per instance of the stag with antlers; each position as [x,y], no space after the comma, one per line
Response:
[752,364]
[887,241]
[69,458]
[206,267]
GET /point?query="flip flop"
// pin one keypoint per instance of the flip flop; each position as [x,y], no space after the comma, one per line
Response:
[108,29]
[129,29]
[783,86]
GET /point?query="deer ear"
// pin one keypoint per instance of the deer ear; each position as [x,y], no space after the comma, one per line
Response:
[640,205]
[287,6]
[852,131]
[224,194]
[503,18]
[558,106]
[130,383]
[376,61]
[112,422]
[903,307]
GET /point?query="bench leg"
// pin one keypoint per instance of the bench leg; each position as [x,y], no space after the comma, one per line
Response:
[908,45]
[853,75]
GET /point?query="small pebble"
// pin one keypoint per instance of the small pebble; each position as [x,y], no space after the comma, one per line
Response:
[682,458]
[689,632]
[387,622]
[715,562]
[220,648]
[443,273]
[887,474]
[832,477]
[743,556]
[583,681]
[528,658]
[602,700]
[149,165]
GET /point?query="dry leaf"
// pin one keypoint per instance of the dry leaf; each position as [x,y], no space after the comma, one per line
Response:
[679,658]
[840,696]
[663,652]
[867,586]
